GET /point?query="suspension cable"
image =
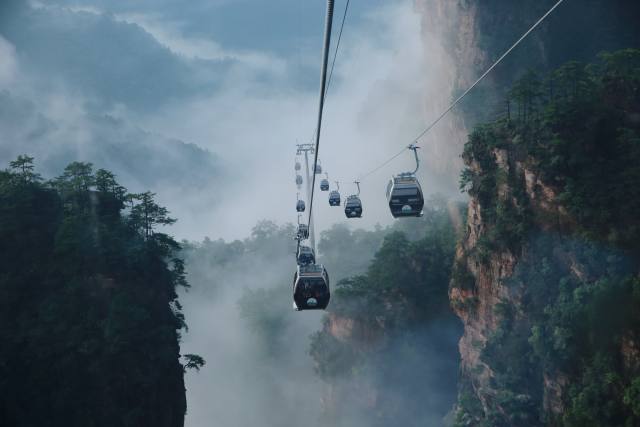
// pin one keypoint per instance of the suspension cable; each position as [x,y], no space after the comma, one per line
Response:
[335,55]
[323,81]
[461,97]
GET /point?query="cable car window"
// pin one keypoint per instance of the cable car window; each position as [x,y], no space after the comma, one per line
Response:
[399,192]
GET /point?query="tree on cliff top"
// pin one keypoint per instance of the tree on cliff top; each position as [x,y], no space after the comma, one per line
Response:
[88,306]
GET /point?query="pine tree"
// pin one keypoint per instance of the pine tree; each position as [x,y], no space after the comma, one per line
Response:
[23,168]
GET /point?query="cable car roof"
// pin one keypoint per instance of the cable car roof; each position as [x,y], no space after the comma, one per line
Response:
[405,178]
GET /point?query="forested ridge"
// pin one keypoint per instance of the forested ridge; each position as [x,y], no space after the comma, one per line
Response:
[577,30]
[547,278]
[89,313]
[388,347]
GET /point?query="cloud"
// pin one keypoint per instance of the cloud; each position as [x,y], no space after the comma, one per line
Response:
[260,376]
[99,58]
[376,105]
[170,35]
[8,63]
[146,65]
[49,112]
[58,130]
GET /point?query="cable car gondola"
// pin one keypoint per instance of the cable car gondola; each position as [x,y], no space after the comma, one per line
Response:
[306,255]
[298,166]
[303,231]
[298,180]
[300,206]
[404,193]
[353,204]
[324,184]
[317,169]
[334,196]
[311,288]
[405,196]
[353,207]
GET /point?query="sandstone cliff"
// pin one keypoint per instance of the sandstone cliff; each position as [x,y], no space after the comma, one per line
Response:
[546,277]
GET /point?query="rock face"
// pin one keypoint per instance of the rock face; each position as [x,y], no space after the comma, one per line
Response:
[478,299]
[359,391]
[475,33]
[388,349]
[364,336]
[527,249]
[546,276]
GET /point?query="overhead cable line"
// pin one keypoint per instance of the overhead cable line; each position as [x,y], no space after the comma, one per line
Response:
[335,53]
[323,82]
[461,97]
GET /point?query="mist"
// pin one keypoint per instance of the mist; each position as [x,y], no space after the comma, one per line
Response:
[390,78]
[271,365]
[239,109]
[258,371]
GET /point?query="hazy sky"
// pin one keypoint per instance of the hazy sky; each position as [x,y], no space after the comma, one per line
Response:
[127,85]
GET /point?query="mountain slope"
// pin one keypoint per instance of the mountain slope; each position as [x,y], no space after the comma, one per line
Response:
[88,308]
[546,279]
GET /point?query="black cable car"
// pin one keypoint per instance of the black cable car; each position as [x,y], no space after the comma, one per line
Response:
[298,179]
[318,169]
[353,207]
[334,198]
[300,206]
[311,288]
[303,231]
[404,195]
[324,185]
[306,255]
[298,166]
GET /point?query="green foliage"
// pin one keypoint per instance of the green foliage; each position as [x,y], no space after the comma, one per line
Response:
[334,358]
[23,169]
[88,309]
[193,361]
[580,136]
[632,396]
[576,30]
[403,334]
[469,411]
[461,277]
[146,214]
[347,251]
[500,192]
[577,288]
